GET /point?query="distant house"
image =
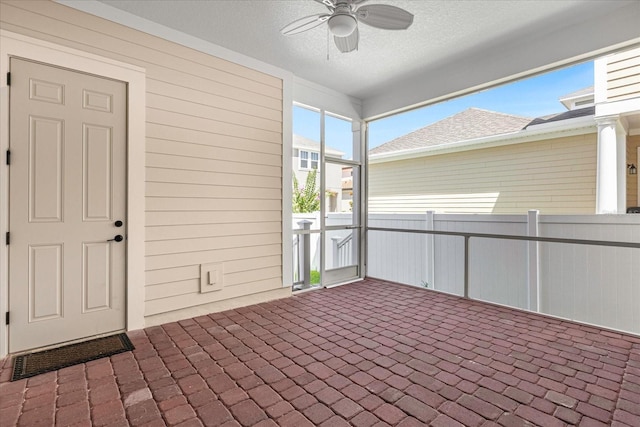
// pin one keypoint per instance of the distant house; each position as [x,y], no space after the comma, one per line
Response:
[347,189]
[480,161]
[306,158]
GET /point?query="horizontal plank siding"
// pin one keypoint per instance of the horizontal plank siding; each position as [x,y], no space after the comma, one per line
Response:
[209,178]
[158,189]
[623,73]
[187,149]
[197,164]
[197,109]
[213,156]
[185,204]
[193,231]
[186,299]
[177,288]
[188,272]
[219,255]
[184,120]
[627,90]
[187,93]
[174,246]
[211,139]
[175,218]
[554,176]
[213,87]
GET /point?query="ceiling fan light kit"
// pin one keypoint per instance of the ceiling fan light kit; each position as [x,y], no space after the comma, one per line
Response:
[342,25]
[344,18]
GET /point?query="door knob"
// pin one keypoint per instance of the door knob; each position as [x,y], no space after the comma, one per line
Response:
[118,238]
[118,223]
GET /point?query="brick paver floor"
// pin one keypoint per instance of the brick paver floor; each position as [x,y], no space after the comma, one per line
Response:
[365,354]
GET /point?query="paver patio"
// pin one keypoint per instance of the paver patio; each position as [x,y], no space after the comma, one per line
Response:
[364,354]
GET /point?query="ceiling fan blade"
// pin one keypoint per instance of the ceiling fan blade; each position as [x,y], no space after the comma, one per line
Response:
[348,43]
[384,16]
[330,4]
[304,24]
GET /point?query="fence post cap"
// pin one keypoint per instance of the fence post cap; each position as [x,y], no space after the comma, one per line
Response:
[305,223]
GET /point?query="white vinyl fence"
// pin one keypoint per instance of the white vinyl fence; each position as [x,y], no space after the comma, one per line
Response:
[339,251]
[592,284]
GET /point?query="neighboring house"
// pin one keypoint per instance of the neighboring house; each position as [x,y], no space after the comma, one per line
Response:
[347,189]
[306,157]
[480,161]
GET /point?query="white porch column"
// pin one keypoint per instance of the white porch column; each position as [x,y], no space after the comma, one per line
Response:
[621,140]
[607,178]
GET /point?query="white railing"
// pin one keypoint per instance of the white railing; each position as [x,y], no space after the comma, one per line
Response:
[301,259]
[297,259]
[548,266]
[342,251]
[303,256]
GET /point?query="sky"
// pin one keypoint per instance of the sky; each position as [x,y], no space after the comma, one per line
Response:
[532,97]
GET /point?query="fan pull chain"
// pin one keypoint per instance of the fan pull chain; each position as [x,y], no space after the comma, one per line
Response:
[328,35]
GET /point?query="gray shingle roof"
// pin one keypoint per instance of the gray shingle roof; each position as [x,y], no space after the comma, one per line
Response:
[468,124]
[571,114]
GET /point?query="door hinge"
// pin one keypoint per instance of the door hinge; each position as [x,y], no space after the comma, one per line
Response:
[8,157]
[7,238]
[8,79]
[6,318]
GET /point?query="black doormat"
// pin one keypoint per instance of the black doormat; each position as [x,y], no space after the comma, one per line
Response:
[29,365]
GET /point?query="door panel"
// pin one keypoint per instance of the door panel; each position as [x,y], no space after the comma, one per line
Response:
[45,169]
[95,279]
[40,90]
[45,282]
[96,166]
[67,188]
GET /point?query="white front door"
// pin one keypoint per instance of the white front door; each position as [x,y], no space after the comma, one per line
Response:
[67,195]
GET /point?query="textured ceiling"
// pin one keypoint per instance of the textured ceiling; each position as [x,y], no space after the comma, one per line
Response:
[444,32]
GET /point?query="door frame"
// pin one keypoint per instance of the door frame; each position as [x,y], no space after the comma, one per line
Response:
[18,45]
[342,275]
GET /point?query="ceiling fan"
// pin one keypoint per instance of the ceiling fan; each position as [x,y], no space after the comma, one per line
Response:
[344,17]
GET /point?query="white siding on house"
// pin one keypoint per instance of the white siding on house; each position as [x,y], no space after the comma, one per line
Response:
[214,156]
[554,176]
[623,75]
